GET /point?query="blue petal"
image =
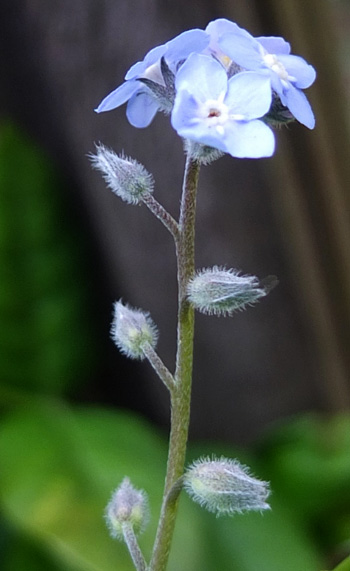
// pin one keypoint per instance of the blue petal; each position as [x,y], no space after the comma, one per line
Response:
[186,121]
[296,66]
[274,45]
[150,58]
[141,109]
[299,106]
[185,112]
[221,26]
[249,94]
[174,50]
[118,96]
[186,43]
[249,139]
[243,50]
[246,139]
[276,82]
[202,76]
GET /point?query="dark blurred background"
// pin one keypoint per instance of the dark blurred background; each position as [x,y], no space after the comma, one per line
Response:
[69,248]
[287,216]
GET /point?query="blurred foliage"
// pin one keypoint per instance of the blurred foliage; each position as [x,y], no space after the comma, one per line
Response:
[45,337]
[344,566]
[59,464]
[58,467]
[308,463]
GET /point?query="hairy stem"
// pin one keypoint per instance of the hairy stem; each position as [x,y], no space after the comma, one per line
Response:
[133,546]
[181,392]
[159,367]
[159,211]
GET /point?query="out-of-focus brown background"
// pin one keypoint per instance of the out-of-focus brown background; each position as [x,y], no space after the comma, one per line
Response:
[287,216]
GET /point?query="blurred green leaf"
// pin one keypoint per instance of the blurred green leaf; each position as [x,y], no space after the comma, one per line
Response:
[58,468]
[57,472]
[272,541]
[343,566]
[45,335]
[308,462]
[18,553]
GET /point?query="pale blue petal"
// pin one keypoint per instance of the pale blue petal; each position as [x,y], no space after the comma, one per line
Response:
[138,69]
[299,106]
[118,96]
[276,82]
[274,45]
[184,44]
[249,94]
[297,67]
[141,109]
[186,121]
[185,112]
[250,140]
[202,76]
[221,26]
[243,50]
[175,50]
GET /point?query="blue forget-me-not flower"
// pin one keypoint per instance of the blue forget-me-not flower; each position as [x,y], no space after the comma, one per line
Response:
[222,87]
[220,112]
[289,74]
[143,103]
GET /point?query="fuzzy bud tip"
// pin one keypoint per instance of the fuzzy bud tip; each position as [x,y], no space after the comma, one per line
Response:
[127,506]
[225,487]
[124,176]
[217,291]
[132,330]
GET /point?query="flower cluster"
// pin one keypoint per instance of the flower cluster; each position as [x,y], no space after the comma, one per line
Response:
[222,86]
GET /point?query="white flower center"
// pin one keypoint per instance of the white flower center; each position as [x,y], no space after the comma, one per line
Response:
[215,113]
[272,61]
[154,73]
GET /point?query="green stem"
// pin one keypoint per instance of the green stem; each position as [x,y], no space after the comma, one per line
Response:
[159,367]
[133,547]
[159,211]
[181,392]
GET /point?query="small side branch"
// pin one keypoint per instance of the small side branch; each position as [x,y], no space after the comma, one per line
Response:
[133,547]
[159,211]
[159,367]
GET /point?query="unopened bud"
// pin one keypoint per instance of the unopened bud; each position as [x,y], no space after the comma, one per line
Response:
[132,330]
[225,487]
[127,506]
[217,291]
[124,176]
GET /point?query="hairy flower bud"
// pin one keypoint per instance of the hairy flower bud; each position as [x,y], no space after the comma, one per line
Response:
[124,176]
[127,506]
[217,291]
[132,330]
[225,487]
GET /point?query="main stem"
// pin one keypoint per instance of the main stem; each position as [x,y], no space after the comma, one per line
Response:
[181,392]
